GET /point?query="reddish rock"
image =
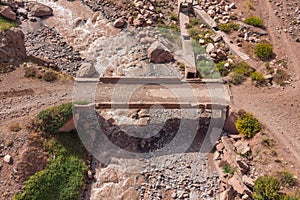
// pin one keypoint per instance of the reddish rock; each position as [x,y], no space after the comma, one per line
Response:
[40,10]
[130,194]
[8,13]
[158,53]
[12,47]
[119,23]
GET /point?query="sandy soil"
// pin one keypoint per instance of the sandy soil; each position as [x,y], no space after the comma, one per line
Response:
[276,107]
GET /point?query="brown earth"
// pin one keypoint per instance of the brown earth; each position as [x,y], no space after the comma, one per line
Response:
[276,107]
[21,99]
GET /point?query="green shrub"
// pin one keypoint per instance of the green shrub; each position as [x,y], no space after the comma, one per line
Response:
[30,72]
[237,78]
[254,21]
[220,67]
[248,125]
[224,27]
[181,66]
[240,72]
[194,21]
[227,169]
[6,24]
[258,77]
[192,32]
[227,28]
[287,178]
[52,119]
[174,17]
[188,26]
[244,69]
[63,177]
[266,188]
[267,142]
[50,76]
[263,50]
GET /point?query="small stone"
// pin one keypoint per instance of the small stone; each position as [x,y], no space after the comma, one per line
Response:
[8,159]
[90,174]
[119,23]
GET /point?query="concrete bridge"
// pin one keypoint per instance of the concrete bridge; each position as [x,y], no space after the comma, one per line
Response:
[153,93]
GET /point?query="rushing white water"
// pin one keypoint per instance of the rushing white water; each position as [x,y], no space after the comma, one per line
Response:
[99,42]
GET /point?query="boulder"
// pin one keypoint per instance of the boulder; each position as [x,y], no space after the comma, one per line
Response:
[249,182]
[138,22]
[243,166]
[8,13]
[236,185]
[130,194]
[119,23]
[216,155]
[217,37]
[40,10]
[86,70]
[230,121]
[12,47]
[7,159]
[158,53]
[220,147]
[242,147]
[221,54]
[227,194]
[210,47]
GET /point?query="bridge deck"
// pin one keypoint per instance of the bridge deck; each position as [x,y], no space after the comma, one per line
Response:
[142,93]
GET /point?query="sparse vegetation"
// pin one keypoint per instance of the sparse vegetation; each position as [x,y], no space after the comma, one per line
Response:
[287,178]
[248,125]
[280,77]
[241,72]
[254,21]
[227,169]
[8,143]
[258,77]
[267,142]
[15,127]
[174,17]
[294,196]
[30,72]
[6,24]
[194,21]
[266,188]
[220,67]
[50,76]
[52,119]
[206,68]
[263,50]
[181,66]
[227,28]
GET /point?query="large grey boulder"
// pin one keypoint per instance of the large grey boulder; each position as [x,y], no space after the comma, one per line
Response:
[40,10]
[86,70]
[8,13]
[158,53]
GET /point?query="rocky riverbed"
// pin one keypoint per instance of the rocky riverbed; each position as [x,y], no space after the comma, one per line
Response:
[46,43]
